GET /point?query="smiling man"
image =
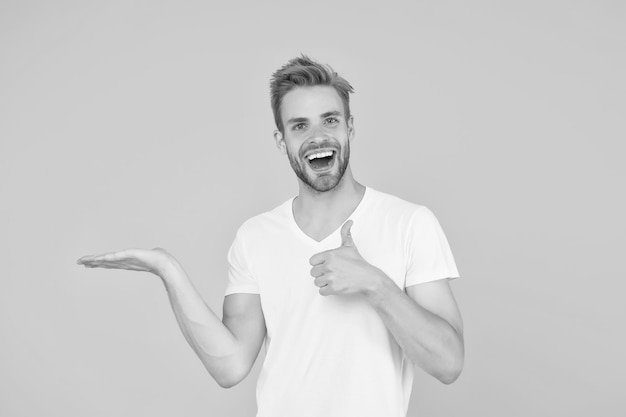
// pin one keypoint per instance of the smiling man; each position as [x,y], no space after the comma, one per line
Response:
[347,285]
[326,158]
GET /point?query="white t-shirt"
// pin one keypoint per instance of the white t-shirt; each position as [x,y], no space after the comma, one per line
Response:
[332,356]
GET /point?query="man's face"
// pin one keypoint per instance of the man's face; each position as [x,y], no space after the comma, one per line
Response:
[316,136]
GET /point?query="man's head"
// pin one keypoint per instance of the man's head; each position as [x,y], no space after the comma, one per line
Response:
[305,72]
[314,125]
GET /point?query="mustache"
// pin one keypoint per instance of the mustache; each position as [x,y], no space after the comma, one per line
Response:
[326,144]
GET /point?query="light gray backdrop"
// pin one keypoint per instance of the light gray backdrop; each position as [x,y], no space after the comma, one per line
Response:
[147,123]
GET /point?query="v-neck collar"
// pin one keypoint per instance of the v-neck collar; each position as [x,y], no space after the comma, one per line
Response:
[309,239]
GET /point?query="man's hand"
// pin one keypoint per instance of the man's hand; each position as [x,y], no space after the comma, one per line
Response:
[343,270]
[155,261]
[227,350]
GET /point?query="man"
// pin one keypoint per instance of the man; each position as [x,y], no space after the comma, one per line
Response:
[347,285]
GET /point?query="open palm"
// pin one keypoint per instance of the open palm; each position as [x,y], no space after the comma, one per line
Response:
[148,260]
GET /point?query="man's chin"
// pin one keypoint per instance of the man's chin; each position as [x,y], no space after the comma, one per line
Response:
[323,183]
[319,181]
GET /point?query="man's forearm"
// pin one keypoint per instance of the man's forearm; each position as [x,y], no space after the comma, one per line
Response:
[427,339]
[213,342]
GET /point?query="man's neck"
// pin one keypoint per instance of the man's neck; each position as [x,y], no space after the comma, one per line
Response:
[319,213]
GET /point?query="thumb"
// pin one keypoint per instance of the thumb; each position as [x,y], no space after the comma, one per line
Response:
[346,235]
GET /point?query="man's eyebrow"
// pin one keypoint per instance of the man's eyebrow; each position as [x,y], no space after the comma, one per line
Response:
[331,113]
[297,120]
[322,116]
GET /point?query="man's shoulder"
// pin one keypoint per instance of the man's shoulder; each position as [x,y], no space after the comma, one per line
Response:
[394,205]
[266,221]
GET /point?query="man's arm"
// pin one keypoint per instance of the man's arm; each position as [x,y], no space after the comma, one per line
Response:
[425,322]
[227,349]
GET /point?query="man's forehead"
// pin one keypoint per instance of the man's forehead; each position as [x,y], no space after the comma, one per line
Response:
[311,101]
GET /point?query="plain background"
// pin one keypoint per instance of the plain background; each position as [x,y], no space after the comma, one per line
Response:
[147,123]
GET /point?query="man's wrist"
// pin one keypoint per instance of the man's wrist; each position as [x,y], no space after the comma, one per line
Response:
[170,271]
[379,290]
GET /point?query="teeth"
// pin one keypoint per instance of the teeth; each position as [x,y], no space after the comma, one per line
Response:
[319,155]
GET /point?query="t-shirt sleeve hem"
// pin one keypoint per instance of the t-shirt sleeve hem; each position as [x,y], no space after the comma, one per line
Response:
[245,289]
[423,278]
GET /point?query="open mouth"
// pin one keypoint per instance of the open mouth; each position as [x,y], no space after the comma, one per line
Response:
[321,161]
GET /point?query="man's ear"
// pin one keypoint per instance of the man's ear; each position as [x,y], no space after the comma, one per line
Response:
[280,142]
[351,128]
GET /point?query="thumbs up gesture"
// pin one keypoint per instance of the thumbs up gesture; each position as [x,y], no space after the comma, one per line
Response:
[343,270]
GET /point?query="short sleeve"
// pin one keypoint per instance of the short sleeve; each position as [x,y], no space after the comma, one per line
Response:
[240,280]
[429,256]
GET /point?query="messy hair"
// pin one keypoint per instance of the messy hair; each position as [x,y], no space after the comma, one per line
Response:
[305,72]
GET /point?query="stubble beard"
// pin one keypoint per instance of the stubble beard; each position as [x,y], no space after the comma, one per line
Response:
[324,182]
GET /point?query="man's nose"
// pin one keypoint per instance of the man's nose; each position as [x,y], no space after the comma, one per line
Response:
[317,134]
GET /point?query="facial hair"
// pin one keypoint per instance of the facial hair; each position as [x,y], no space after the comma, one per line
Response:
[324,182]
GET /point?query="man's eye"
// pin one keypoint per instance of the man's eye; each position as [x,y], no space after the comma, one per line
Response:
[299,126]
[332,121]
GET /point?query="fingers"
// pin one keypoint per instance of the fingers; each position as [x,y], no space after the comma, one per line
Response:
[95,258]
[325,285]
[130,259]
[318,258]
[112,264]
[346,235]
[96,261]
[318,270]
[86,258]
[108,256]
[100,264]
[104,260]
[325,290]
[321,281]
